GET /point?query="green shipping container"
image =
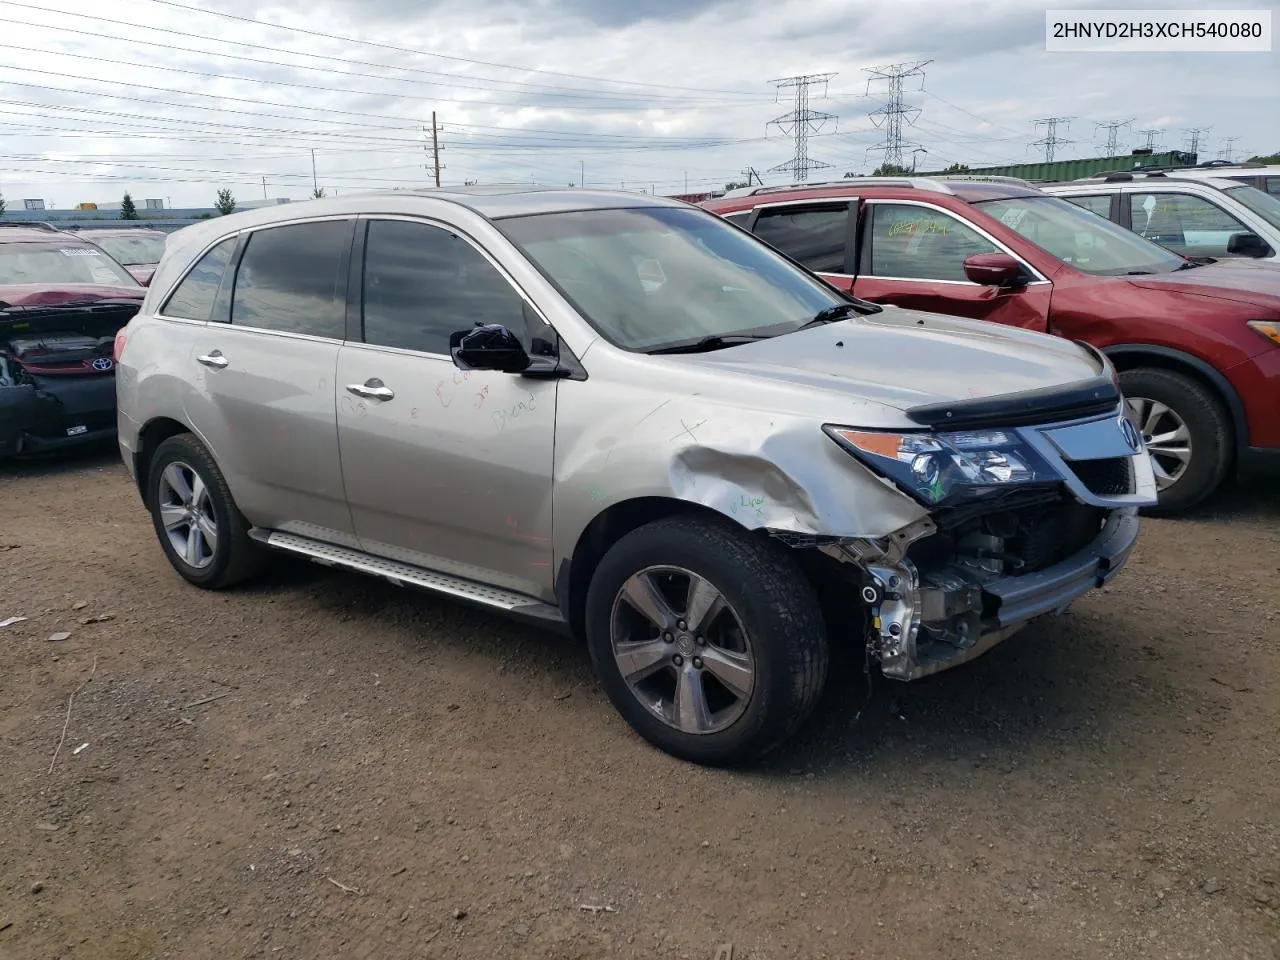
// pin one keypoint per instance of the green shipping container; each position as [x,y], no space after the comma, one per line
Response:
[1077,169]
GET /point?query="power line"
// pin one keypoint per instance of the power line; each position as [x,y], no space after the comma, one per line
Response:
[1113,128]
[345,61]
[442,56]
[799,123]
[894,111]
[1228,152]
[1151,135]
[1051,141]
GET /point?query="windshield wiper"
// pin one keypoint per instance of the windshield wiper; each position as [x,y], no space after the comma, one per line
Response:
[712,343]
[830,315]
[1192,264]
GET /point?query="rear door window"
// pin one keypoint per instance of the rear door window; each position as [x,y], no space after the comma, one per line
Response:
[1185,224]
[921,243]
[293,279]
[814,236]
[193,298]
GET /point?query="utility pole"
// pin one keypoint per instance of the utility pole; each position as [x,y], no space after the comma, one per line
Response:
[891,115]
[751,174]
[1193,138]
[435,148]
[1151,138]
[315,185]
[264,188]
[1113,128]
[1228,152]
[913,157]
[582,174]
[1051,141]
[800,122]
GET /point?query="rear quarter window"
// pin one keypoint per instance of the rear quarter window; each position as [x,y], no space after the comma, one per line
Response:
[193,298]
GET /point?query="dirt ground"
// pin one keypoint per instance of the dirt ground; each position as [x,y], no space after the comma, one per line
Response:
[387,774]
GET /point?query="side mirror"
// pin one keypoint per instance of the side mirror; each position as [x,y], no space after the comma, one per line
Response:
[994,270]
[1247,245]
[488,347]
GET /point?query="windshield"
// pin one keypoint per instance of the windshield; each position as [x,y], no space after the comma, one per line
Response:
[653,277]
[1083,239]
[1260,202]
[133,251]
[49,263]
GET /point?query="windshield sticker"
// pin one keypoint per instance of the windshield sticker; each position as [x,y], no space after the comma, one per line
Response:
[79,252]
[912,227]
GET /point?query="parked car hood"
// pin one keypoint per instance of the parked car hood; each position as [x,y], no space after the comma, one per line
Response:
[43,295]
[904,358]
[1243,281]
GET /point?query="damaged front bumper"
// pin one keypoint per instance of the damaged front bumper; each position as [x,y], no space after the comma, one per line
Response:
[50,414]
[926,622]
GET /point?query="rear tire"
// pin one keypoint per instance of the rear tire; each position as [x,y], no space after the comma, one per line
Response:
[741,672]
[1198,421]
[201,531]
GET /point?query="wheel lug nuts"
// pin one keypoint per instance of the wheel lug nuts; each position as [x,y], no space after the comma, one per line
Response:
[682,625]
[697,663]
[678,660]
[702,641]
[667,638]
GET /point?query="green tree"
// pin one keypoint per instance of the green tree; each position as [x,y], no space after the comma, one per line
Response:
[957,168]
[318,193]
[890,170]
[225,203]
[127,210]
[736,185]
[1,203]
[1269,158]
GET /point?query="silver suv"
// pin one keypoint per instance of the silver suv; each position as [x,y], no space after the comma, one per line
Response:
[628,418]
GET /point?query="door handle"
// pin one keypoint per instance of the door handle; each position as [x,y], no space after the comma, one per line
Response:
[372,389]
[213,359]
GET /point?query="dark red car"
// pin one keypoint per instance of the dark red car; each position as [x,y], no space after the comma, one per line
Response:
[1197,344]
[62,300]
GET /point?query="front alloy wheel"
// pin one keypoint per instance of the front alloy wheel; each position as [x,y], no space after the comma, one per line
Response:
[708,639]
[682,649]
[1167,438]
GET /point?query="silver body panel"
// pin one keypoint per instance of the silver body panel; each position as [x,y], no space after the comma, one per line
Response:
[493,478]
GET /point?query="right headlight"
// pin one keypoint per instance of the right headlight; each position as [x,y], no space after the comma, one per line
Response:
[940,468]
[1267,328]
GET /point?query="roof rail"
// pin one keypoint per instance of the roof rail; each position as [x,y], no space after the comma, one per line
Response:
[985,178]
[31,225]
[918,183]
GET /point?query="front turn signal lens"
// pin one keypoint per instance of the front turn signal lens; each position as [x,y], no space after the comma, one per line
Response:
[1268,328]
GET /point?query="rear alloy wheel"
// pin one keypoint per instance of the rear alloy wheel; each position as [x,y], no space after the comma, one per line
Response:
[709,642]
[1187,433]
[200,528]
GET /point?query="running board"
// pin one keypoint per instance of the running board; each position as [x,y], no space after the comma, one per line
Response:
[332,555]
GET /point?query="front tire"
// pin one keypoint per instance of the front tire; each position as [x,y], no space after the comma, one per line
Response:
[1187,431]
[201,530]
[711,644]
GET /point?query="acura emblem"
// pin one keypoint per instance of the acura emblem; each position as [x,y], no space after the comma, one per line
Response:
[1130,435]
[104,364]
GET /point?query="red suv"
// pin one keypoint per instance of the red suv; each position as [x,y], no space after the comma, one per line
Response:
[1197,344]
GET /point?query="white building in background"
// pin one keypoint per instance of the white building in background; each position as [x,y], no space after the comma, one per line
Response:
[265,202]
[33,204]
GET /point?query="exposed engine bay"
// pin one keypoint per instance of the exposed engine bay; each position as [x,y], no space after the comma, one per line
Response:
[950,588]
[57,375]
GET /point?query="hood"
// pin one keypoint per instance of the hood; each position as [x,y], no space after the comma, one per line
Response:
[45,295]
[1243,281]
[905,358]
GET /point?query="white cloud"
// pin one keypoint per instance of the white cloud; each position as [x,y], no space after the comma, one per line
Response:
[689,99]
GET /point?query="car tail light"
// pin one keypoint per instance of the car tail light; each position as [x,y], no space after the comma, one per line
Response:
[1268,328]
[117,348]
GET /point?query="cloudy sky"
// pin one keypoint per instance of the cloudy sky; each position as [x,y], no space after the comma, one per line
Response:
[174,99]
